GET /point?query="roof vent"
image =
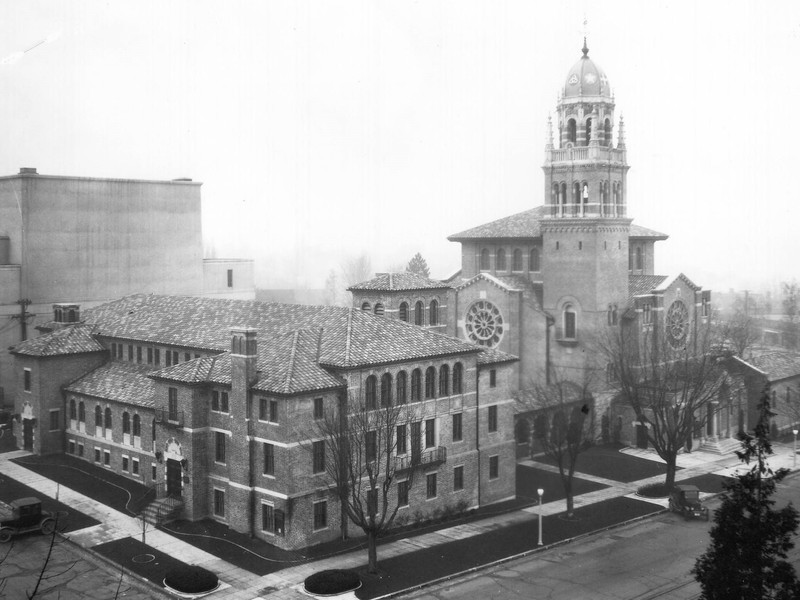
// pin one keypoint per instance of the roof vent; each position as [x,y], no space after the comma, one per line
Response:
[182,179]
[28,171]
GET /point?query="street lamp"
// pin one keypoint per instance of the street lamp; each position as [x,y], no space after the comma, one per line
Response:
[794,454]
[540,492]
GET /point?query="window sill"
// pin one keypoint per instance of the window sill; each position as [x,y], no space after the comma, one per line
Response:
[268,476]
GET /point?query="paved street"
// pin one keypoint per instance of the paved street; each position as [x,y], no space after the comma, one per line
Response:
[70,577]
[646,560]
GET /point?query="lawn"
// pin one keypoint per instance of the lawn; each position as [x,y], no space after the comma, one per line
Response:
[97,483]
[529,479]
[425,565]
[69,519]
[239,549]
[123,552]
[609,463]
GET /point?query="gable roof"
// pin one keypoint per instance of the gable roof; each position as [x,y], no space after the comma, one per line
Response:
[350,338]
[75,339]
[120,381]
[640,285]
[398,282]
[527,224]
[777,364]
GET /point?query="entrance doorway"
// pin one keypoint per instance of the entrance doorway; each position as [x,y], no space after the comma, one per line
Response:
[27,434]
[641,436]
[173,478]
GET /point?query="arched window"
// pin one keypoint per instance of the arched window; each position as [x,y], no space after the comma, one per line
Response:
[369,393]
[433,313]
[430,383]
[404,311]
[419,313]
[108,418]
[572,131]
[563,195]
[444,380]
[570,322]
[516,261]
[378,309]
[137,426]
[607,132]
[98,416]
[72,411]
[401,387]
[639,262]
[588,131]
[81,412]
[458,378]
[365,306]
[534,260]
[72,316]
[416,385]
[612,314]
[500,260]
[126,423]
[386,390]
[485,260]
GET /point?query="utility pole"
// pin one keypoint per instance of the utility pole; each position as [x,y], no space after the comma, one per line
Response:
[24,303]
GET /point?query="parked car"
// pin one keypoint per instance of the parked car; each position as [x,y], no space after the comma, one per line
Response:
[24,515]
[685,499]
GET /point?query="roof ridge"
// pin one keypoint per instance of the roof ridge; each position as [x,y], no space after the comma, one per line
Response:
[287,384]
[348,336]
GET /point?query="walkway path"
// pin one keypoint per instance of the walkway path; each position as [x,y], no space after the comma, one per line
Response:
[285,584]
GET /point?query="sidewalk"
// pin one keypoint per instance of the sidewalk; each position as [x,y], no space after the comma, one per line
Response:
[286,584]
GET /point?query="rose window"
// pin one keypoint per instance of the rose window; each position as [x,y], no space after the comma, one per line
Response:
[484,324]
[677,323]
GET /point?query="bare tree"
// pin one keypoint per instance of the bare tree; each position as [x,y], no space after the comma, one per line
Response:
[355,270]
[669,387]
[791,299]
[738,332]
[44,576]
[563,424]
[366,453]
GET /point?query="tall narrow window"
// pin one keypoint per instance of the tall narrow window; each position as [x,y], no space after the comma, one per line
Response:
[534,260]
[401,387]
[108,418]
[485,260]
[419,313]
[219,446]
[501,260]
[494,467]
[416,385]
[27,379]
[516,261]
[639,259]
[404,311]
[402,493]
[320,515]
[458,478]
[430,433]
[444,381]
[371,446]
[430,486]
[433,313]
[318,451]
[137,426]
[402,446]
[81,412]
[126,423]
[319,408]
[230,277]
[570,322]
[73,413]
[267,518]
[370,398]
[458,378]
[386,390]
[219,502]
[588,131]
[430,383]
[172,409]
[492,419]
[572,131]
[457,427]
[269,459]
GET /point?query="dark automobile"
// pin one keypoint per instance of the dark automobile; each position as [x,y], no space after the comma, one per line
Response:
[685,499]
[22,516]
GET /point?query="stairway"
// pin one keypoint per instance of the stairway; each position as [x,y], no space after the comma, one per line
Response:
[162,510]
[720,446]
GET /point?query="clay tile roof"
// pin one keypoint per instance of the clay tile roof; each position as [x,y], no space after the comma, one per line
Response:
[350,338]
[491,356]
[639,285]
[527,224]
[118,381]
[386,282]
[75,339]
[777,364]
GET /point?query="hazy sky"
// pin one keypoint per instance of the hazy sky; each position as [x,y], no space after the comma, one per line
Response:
[326,129]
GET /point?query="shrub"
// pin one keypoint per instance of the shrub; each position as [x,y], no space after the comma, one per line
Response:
[333,581]
[653,490]
[191,580]
[461,506]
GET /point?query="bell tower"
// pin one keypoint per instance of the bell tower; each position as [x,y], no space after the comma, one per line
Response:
[585,226]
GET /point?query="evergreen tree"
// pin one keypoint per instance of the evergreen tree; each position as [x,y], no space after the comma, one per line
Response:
[419,266]
[750,539]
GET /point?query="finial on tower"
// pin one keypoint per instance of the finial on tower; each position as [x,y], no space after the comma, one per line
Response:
[549,132]
[585,49]
[585,33]
[621,134]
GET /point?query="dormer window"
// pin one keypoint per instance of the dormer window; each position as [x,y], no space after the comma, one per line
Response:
[66,313]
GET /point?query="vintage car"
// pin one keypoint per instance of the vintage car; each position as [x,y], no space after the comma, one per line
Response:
[685,499]
[22,516]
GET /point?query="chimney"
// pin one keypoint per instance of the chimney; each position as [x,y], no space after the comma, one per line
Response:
[244,352]
[27,171]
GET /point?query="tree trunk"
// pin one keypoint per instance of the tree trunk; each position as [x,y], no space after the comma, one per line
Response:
[372,548]
[570,499]
[671,467]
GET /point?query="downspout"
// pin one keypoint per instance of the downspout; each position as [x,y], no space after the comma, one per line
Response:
[478,426]
[250,481]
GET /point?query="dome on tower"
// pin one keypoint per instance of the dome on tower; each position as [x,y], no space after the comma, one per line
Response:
[585,78]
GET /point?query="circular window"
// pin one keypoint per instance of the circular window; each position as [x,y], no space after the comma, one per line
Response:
[677,323]
[484,324]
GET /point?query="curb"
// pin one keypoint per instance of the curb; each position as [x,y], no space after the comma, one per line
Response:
[506,559]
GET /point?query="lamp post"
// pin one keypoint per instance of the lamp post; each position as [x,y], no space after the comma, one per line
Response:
[794,453]
[540,492]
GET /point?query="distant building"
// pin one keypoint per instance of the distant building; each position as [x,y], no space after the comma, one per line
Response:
[87,240]
[214,403]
